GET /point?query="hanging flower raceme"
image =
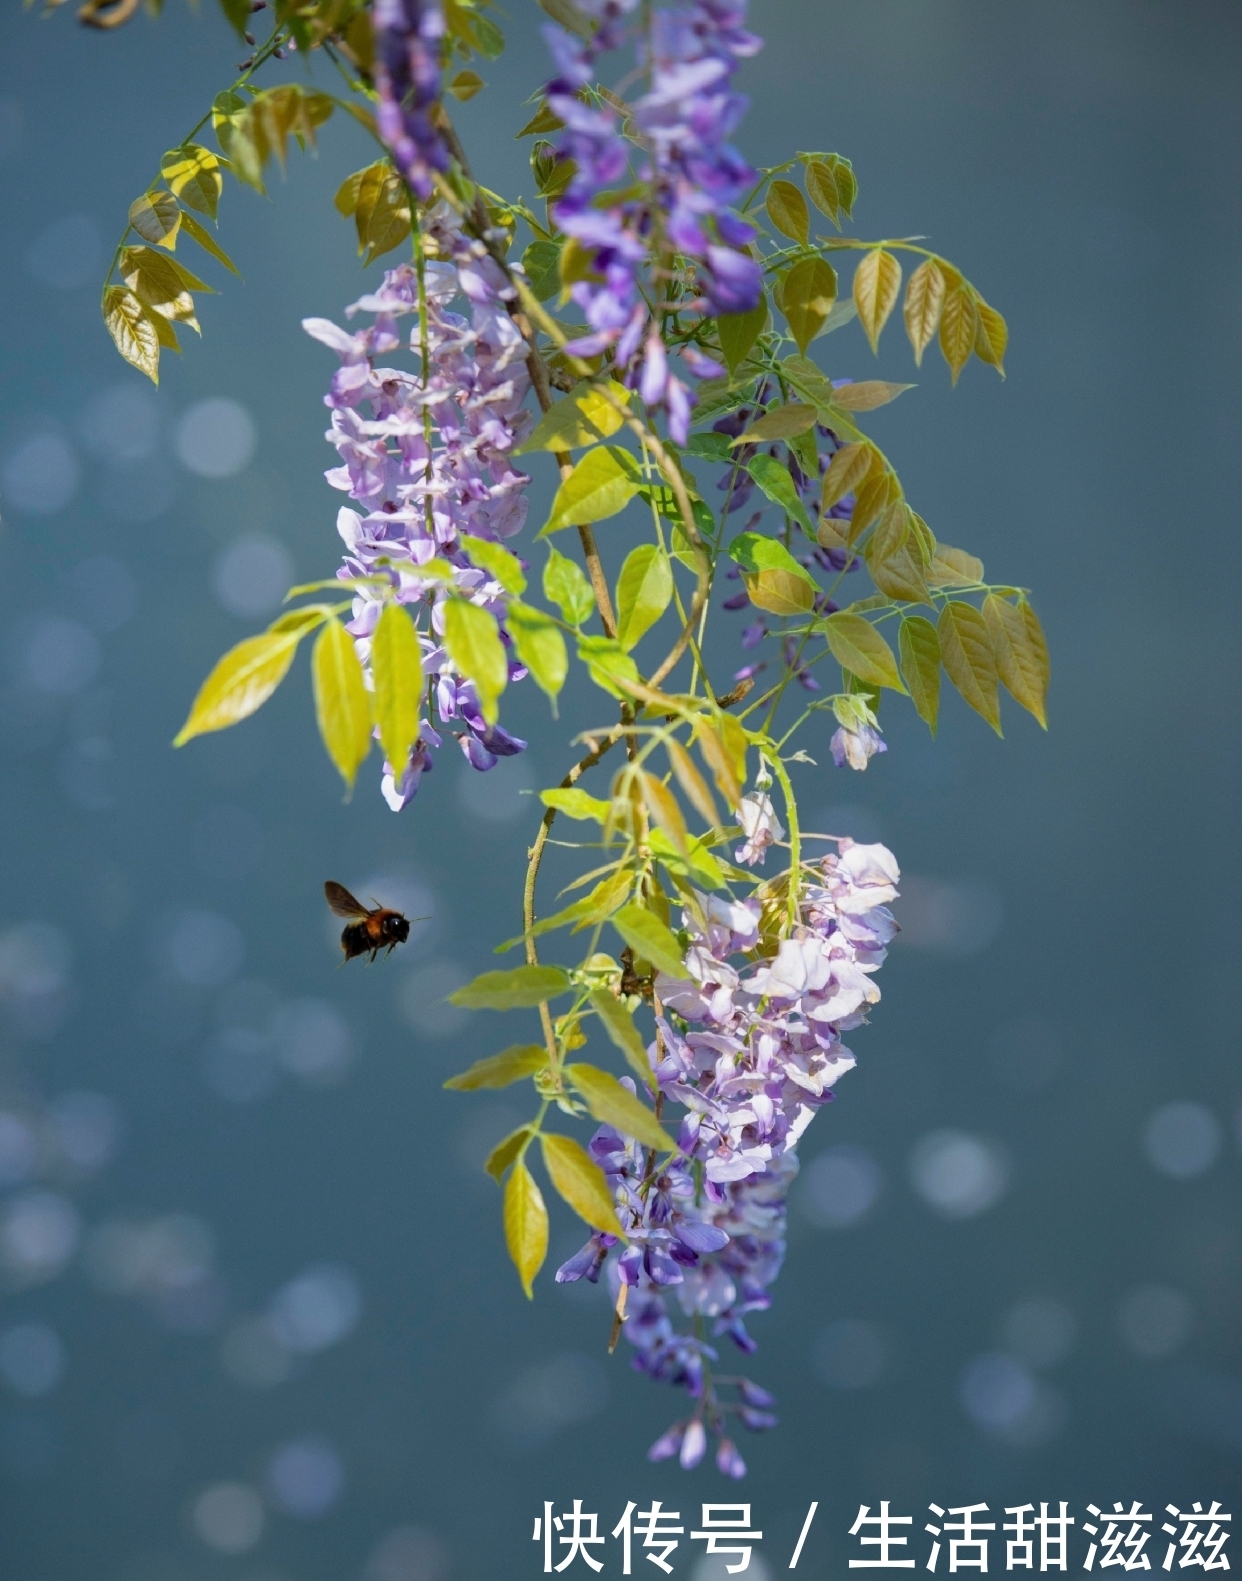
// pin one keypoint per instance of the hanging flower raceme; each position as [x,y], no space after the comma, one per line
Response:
[751,1054]
[427,458]
[408,36]
[692,178]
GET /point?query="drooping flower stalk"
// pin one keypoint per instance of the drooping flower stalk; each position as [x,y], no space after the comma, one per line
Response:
[408,35]
[417,504]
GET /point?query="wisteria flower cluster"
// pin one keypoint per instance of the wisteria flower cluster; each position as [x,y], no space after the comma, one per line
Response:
[656,338]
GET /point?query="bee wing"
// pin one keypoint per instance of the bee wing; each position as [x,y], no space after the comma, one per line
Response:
[342,902]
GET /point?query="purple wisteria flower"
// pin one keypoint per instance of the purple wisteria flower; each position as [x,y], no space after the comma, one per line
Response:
[417,500]
[681,185]
[408,36]
[751,1053]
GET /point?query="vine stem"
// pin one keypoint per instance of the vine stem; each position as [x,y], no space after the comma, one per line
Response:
[795,839]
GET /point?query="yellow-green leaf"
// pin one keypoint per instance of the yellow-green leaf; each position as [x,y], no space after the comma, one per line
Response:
[602,484]
[465,85]
[871,498]
[207,241]
[473,642]
[958,319]
[159,282]
[821,183]
[522,988]
[779,422]
[346,200]
[575,803]
[788,211]
[954,567]
[780,592]
[650,938]
[241,682]
[540,646]
[156,216]
[969,662]
[381,211]
[505,1151]
[584,416]
[900,574]
[859,648]
[691,782]
[924,299]
[501,1070]
[846,471]
[867,394]
[526,1225]
[581,1182]
[496,560]
[877,282]
[739,331]
[991,336]
[618,1023]
[132,330]
[608,665]
[566,585]
[342,702]
[614,1105]
[919,647]
[1021,655]
[644,591]
[193,175]
[397,668]
[663,808]
[808,292]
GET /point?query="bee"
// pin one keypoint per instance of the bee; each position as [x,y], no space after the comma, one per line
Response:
[372,929]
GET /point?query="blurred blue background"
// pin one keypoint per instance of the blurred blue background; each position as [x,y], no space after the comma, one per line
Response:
[256,1319]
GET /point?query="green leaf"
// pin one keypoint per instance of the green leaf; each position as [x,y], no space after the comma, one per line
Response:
[133,331]
[504,1153]
[774,479]
[397,667]
[581,1182]
[501,1070]
[541,261]
[966,652]
[207,241]
[710,446]
[538,642]
[958,325]
[570,16]
[607,661]
[602,484]
[924,300]
[877,283]
[545,119]
[585,416]
[238,14]
[346,200]
[241,682]
[193,175]
[618,1023]
[522,988]
[696,862]
[778,422]
[644,592]
[738,333]
[156,216]
[233,125]
[566,586]
[859,648]
[577,804]
[612,1104]
[472,639]
[788,211]
[919,647]
[867,394]
[755,552]
[650,938]
[496,560]
[160,283]
[342,702]
[809,291]
[594,908]
[526,1225]
[1020,651]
